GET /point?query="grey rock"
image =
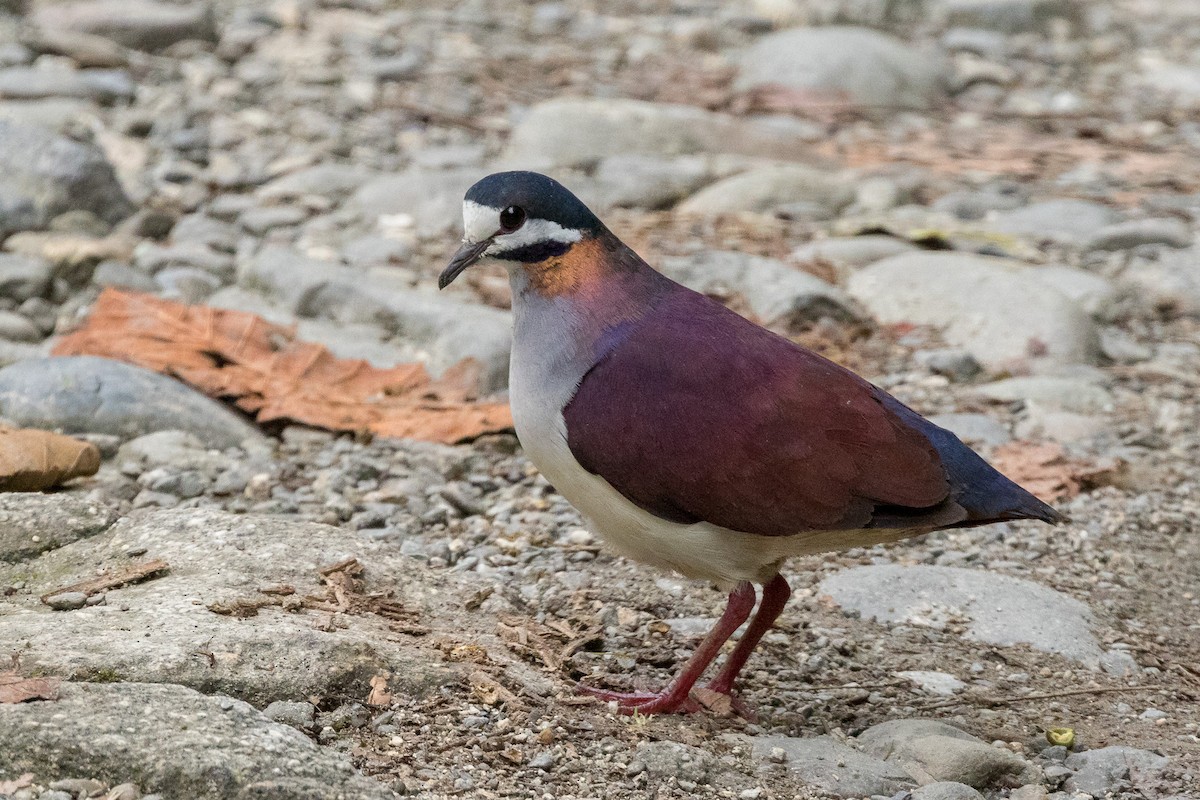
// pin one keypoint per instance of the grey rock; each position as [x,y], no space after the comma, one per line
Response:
[1169,286]
[259,221]
[875,70]
[34,83]
[85,394]
[646,181]
[139,24]
[176,741]
[43,175]
[1136,232]
[397,68]
[152,258]
[17,328]
[807,192]
[667,759]
[977,430]
[976,204]
[321,180]
[202,229]
[776,293]
[1066,393]
[186,284]
[22,278]
[941,683]
[1002,313]
[1099,771]
[67,601]
[1063,221]
[846,254]
[220,558]
[374,251]
[171,448]
[293,279]
[999,610]
[826,763]
[569,132]
[946,790]
[122,276]
[301,716]
[32,523]
[934,751]
[1009,16]
[431,199]
[957,365]
[1119,663]
[1093,293]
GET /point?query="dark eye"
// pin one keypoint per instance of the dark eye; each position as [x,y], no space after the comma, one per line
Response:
[511,218]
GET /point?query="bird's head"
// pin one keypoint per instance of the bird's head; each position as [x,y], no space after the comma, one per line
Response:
[528,221]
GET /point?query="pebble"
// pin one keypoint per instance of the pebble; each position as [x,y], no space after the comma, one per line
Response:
[67,601]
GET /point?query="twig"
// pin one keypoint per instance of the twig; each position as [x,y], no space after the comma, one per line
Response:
[133,574]
[1004,701]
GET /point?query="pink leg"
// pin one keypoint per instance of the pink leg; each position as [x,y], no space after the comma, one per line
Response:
[676,696]
[775,596]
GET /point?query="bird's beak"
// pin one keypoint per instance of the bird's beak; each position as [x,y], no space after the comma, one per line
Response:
[466,255]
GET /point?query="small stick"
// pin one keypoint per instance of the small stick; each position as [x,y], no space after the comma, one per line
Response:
[1003,701]
[132,574]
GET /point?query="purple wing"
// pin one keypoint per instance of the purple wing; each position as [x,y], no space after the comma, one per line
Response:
[697,414]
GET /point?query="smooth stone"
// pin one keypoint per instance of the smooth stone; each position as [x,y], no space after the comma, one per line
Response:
[67,601]
[977,204]
[17,328]
[179,450]
[35,83]
[1000,312]
[86,394]
[977,430]
[32,523]
[204,230]
[830,765]
[776,293]
[1137,232]
[139,24]
[945,790]
[122,276]
[1009,16]
[1169,286]
[647,181]
[22,277]
[1064,393]
[1098,772]
[320,180]
[43,175]
[821,194]
[1095,294]
[174,741]
[875,70]
[52,113]
[216,557]
[260,221]
[152,257]
[955,364]
[1000,610]
[428,200]
[933,751]
[571,132]
[298,715]
[186,284]
[940,683]
[1062,221]
[846,254]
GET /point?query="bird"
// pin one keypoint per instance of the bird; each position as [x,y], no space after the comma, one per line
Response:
[694,440]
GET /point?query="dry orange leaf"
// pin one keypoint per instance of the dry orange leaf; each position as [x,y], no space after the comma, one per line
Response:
[15,689]
[267,373]
[32,460]
[1045,469]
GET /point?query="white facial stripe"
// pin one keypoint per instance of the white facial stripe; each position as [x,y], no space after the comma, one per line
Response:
[480,222]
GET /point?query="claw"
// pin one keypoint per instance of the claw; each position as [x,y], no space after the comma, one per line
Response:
[644,702]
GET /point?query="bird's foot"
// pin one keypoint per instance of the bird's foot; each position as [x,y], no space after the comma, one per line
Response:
[664,702]
[724,702]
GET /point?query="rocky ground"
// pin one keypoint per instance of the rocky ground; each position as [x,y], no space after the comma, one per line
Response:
[989,207]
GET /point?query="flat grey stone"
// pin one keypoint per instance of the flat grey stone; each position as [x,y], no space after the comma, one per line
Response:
[320,180]
[1169,285]
[874,69]
[999,610]
[175,741]
[941,683]
[53,520]
[826,763]
[86,394]
[1099,771]
[36,83]
[647,181]
[1066,393]
[1093,293]
[139,24]
[946,790]
[1001,312]
[934,751]
[22,277]
[776,293]
[1136,232]
[848,253]
[570,132]
[1064,221]
[43,175]
[214,558]
[974,429]
[817,194]
[430,199]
